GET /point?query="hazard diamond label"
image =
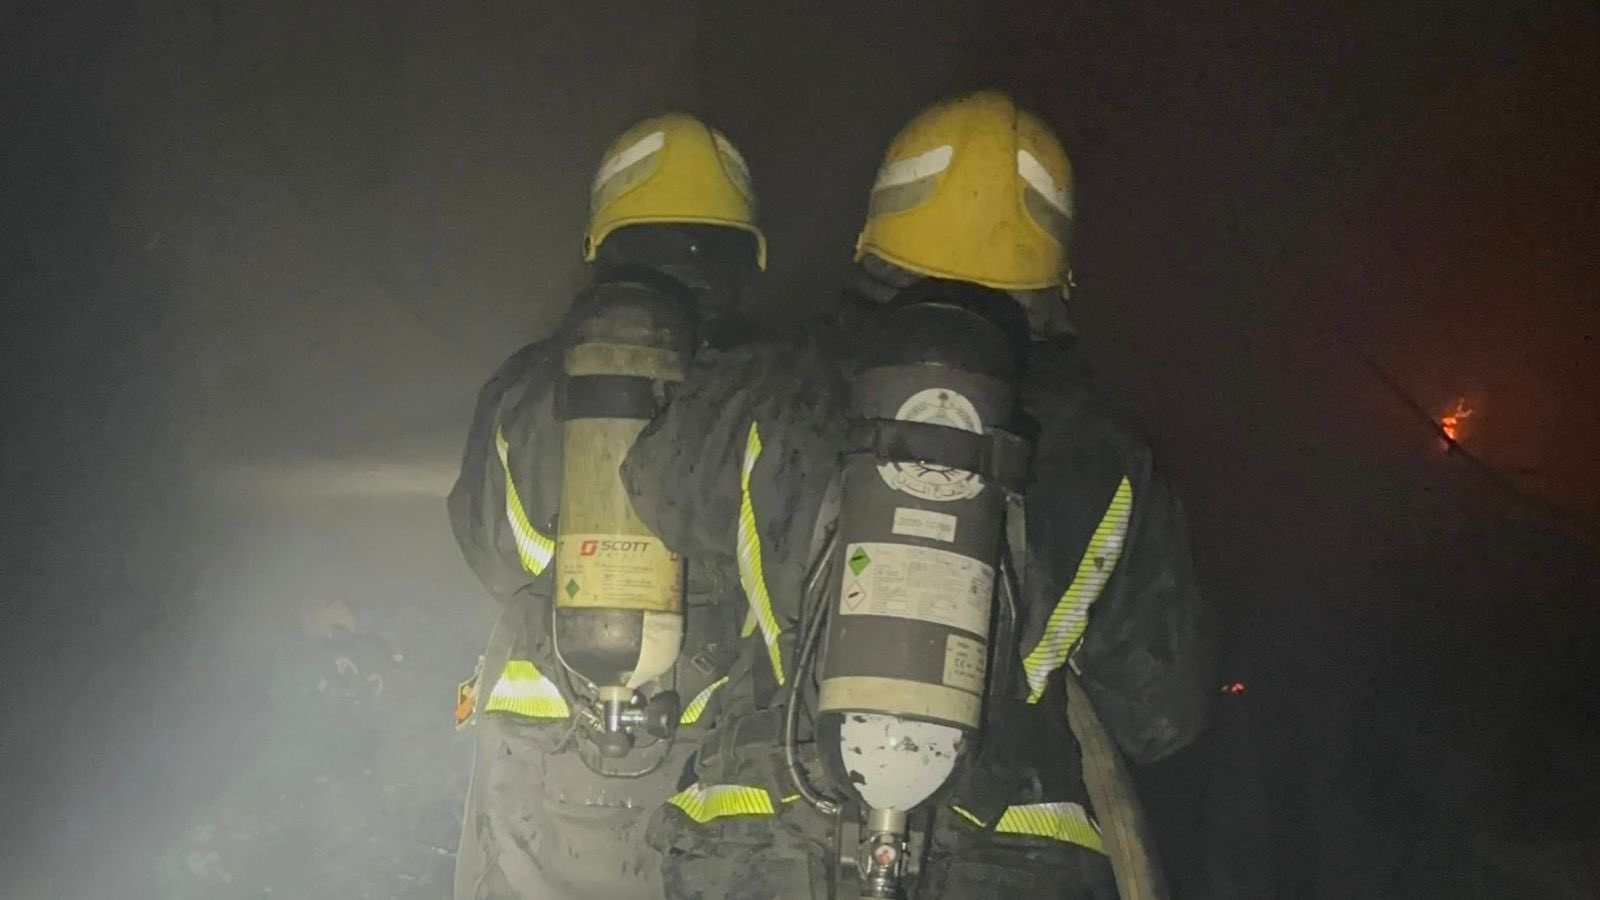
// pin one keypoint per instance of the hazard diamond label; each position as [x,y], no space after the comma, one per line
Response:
[926,584]
[572,587]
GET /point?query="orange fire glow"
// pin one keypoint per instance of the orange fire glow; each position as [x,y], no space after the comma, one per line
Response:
[1453,422]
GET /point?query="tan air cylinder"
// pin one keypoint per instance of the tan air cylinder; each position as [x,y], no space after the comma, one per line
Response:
[618,589]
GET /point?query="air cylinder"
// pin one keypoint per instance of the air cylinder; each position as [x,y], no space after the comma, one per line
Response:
[903,668]
[618,590]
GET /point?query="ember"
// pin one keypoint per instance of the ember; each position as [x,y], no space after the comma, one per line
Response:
[1451,423]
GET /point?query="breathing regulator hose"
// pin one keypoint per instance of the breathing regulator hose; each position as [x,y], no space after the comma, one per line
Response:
[810,636]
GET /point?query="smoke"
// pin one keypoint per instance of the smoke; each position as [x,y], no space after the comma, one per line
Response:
[258,261]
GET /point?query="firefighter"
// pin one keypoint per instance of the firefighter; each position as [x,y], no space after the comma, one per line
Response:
[973,199]
[550,812]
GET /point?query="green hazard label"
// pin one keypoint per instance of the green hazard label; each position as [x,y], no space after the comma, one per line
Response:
[859,560]
[572,587]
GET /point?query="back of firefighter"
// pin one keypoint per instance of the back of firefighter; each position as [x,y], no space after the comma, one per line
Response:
[977,192]
[548,816]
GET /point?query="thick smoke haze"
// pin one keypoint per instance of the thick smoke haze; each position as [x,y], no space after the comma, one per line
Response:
[258,258]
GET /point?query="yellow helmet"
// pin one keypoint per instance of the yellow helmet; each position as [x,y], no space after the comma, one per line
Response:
[671,169]
[974,189]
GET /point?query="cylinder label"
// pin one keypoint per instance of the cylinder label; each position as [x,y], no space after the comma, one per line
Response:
[919,583]
[617,571]
[964,662]
[924,523]
[935,406]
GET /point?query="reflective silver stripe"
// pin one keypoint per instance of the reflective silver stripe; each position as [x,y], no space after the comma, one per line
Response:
[1071,615]
[1040,179]
[751,576]
[733,162]
[638,150]
[534,549]
[914,168]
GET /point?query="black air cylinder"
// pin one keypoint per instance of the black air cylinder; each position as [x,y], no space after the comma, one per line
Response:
[920,539]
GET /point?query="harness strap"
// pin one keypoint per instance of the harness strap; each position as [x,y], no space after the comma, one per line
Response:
[999,456]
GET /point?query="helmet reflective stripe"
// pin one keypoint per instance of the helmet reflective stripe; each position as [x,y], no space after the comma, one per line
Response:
[1038,178]
[647,145]
[914,168]
[1047,203]
[906,183]
[733,162]
[625,170]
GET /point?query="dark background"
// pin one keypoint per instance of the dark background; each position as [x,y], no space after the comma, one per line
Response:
[256,259]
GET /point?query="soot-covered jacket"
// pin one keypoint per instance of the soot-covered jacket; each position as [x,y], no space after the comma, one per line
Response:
[736,469]
[732,476]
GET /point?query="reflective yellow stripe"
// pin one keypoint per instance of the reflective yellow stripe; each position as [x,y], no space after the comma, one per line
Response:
[523,690]
[533,548]
[1071,615]
[1065,822]
[962,812]
[703,803]
[750,572]
[691,713]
